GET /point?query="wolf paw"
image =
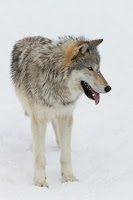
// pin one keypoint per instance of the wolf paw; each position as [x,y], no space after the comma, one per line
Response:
[40,183]
[69,179]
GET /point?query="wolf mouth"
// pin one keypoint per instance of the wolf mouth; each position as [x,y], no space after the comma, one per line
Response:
[90,93]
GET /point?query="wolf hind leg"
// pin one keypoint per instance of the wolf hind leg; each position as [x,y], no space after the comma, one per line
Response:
[38,132]
[56,131]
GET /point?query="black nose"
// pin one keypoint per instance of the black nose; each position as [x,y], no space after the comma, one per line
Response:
[107,88]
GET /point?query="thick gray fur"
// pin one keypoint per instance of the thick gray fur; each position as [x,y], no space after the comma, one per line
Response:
[37,69]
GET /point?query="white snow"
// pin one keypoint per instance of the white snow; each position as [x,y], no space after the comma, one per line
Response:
[102,141]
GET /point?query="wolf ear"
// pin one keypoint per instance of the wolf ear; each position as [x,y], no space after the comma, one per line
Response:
[96,42]
[79,50]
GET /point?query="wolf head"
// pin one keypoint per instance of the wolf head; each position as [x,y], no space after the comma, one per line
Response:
[82,61]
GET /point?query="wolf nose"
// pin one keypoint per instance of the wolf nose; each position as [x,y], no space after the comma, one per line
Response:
[107,88]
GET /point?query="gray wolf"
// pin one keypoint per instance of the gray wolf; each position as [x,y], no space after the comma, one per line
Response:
[49,77]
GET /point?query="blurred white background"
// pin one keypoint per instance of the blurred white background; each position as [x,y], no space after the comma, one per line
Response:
[102,142]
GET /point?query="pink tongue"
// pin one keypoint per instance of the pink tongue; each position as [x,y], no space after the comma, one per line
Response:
[97,98]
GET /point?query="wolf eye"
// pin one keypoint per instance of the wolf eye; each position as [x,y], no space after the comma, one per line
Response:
[90,68]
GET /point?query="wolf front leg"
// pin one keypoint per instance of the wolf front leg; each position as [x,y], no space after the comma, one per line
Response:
[65,126]
[38,132]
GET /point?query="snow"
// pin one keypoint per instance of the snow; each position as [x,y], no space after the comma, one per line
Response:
[102,141]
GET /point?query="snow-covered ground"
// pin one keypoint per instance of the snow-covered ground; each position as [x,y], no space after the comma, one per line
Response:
[102,142]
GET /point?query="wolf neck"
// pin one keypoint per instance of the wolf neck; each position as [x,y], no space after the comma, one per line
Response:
[55,94]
